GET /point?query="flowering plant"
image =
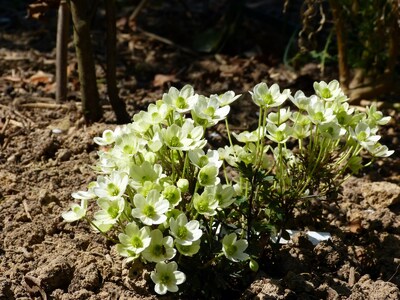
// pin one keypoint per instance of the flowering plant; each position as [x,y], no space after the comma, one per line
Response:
[166,197]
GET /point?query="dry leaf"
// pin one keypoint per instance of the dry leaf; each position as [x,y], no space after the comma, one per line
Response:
[161,79]
[41,77]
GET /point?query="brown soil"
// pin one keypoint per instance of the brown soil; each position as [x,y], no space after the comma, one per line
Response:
[47,151]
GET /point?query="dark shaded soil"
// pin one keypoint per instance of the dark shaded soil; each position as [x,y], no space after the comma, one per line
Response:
[47,150]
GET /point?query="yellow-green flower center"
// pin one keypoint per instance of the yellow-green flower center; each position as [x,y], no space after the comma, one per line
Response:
[182,232]
[137,242]
[112,189]
[181,103]
[231,250]
[149,211]
[326,93]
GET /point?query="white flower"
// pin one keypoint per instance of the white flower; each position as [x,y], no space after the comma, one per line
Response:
[226,98]
[378,150]
[224,194]
[234,249]
[77,212]
[318,113]
[184,232]
[182,101]
[279,117]
[268,97]
[300,100]
[205,204]
[208,175]
[362,133]
[327,92]
[172,194]
[189,250]
[160,248]
[107,138]
[207,111]
[150,210]
[140,174]
[110,213]
[376,117]
[112,187]
[331,130]
[167,278]
[246,137]
[156,113]
[129,144]
[300,119]
[278,134]
[200,159]
[301,131]
[134,240]
[187,137]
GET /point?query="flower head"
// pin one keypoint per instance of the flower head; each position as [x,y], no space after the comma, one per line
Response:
[150,210]
[327,92]
[112,187]
[183,100]
[167,278]
[234,249]
[184,232]
[77,212]
[268,97]
[134,240]
[160,248]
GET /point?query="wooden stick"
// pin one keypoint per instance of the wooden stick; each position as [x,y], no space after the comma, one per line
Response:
[45,105]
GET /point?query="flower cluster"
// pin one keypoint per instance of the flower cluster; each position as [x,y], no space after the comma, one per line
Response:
[164,193]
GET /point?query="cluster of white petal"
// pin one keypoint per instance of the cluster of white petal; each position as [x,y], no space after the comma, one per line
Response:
[158,184]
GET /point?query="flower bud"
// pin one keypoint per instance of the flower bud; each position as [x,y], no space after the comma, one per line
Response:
[183,185]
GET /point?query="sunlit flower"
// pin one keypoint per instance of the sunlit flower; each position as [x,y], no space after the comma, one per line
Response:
[140,174]
[226,98]
[362,133]
[160,248]
[133,240]
[150,210]
[278,134]
[189,250]
[156,113]
[109,214]
[375,117]
[208,112]
[200,159]
[327,92]
[184,232]
[279,117]
[378,150]
[172,194]
[111,187]
[187,137]
[318,113]
[268,97]
[205,204]
[208,175]
[106,139]
[233,249]
[77,212]
[183,100]
[167,278]
[300,100]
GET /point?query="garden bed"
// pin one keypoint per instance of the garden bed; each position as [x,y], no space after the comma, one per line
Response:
[47,151]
